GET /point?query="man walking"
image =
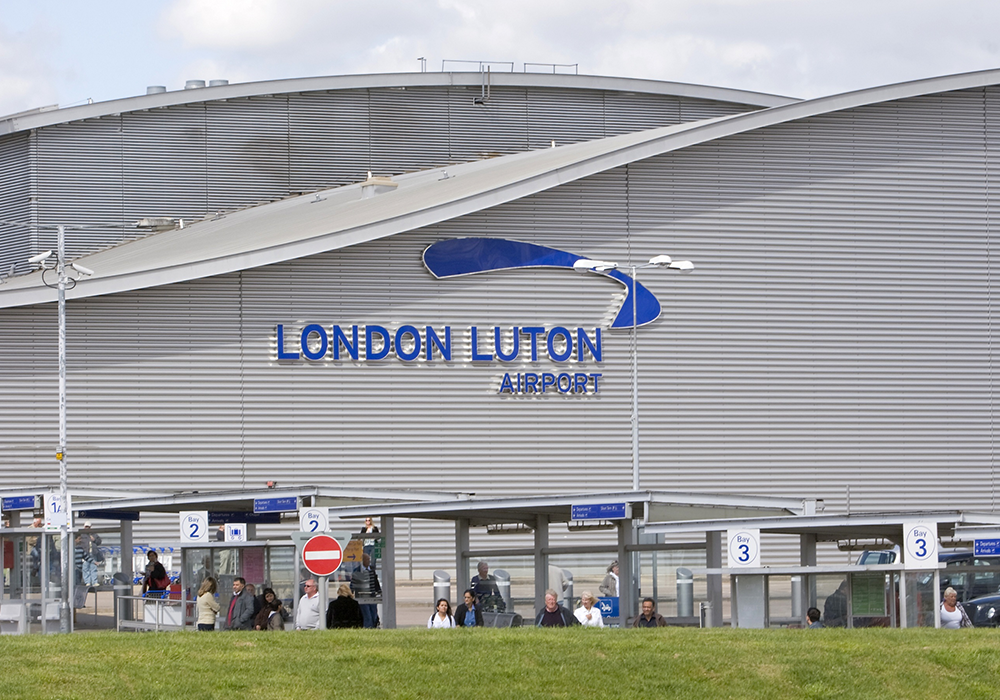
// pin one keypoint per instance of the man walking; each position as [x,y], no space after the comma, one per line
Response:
[240,615]
[307,611]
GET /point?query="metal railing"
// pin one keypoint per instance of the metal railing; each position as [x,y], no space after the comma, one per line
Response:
[138,613]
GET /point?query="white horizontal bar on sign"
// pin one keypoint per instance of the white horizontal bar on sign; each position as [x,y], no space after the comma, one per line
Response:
[322,555]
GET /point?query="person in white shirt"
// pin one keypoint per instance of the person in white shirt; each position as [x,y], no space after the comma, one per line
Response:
[442,617]
[953,615]
[307,612]
[587,614]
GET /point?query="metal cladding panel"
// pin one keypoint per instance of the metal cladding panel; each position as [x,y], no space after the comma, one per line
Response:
[247,151]
[78,166]
[564,116]
[498,126]
[328,139]
[165,145]
[185,162]
[409,129]
[15,202]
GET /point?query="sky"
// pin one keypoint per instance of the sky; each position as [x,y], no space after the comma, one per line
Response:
[67,52]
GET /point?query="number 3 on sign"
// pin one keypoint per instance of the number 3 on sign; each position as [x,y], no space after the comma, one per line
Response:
[744,548]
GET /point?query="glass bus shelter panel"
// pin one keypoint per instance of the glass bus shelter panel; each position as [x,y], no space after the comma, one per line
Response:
[521,569]
[659,573]
[921,598]
[833,599]
[271,566]
[780,603]
[31,577]
[874,599]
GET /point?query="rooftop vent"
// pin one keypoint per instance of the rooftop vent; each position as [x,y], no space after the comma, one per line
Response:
[376,185]
[194,84]
[217,82]
[156,89]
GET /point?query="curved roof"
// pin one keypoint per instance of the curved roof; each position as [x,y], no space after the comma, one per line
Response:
[36,119]
[338,218]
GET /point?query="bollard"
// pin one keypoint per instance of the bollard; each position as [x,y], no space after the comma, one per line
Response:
[797,597]
[705,614]
[442,586]
[685,593]
[567,591]
[503,585]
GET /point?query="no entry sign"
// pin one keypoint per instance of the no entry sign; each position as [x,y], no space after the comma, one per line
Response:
[322,555]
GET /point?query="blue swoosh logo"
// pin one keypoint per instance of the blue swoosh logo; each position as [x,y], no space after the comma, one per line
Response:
[469,256]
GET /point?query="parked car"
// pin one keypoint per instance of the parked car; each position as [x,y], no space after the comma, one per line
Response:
[985,611]
[971,576]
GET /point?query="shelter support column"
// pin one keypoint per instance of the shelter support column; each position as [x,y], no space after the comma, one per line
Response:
[626,576]
[125,560]
[541,561]
[388,531]
[713,560]
[807,557]
[461,556]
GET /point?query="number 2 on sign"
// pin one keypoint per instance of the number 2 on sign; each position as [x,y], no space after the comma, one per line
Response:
[194,531]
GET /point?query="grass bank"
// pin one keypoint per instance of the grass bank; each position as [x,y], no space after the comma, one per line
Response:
[525,663]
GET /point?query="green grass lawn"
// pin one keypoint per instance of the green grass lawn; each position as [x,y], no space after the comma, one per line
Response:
[519,663]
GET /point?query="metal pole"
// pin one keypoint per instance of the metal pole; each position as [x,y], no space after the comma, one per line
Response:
[64,621]
[635,389]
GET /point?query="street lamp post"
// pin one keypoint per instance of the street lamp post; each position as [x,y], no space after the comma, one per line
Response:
[62,278]
[682,266]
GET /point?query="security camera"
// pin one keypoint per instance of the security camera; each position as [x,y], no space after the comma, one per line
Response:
[41,257]
[86,272]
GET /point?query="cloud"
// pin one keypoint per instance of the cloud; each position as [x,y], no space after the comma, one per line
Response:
[27,80]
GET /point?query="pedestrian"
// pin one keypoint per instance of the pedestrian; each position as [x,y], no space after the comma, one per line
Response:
[307,611]
[208,606]
[553,614]
[441,618]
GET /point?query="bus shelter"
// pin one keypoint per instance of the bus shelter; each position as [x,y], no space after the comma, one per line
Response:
[31,595]
[255,535]
[514,520]
[898,585]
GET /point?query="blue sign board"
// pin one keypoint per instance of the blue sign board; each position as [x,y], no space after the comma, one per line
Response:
[275,505]
[19,503]
[221,517]
[608,607]
[599,511]
[986,547]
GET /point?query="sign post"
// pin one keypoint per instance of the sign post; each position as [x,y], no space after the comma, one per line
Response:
[322,555]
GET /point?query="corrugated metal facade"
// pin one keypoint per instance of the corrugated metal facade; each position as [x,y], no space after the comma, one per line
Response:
[836,335]
[193,160]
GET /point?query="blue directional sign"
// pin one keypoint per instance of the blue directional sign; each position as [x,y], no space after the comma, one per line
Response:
[986,547]
[275,505]
[599,511]
[608,607]
[20,503]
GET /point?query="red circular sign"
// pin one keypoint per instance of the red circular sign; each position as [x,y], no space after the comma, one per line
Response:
[322,555]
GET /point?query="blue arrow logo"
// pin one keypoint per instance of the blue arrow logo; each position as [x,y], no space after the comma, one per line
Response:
[470,256]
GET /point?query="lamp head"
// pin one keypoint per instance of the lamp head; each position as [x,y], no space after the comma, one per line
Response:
[659,261]
[685,267]
[587,265]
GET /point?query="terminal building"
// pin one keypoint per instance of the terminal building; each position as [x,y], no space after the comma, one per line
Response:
[374,282]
